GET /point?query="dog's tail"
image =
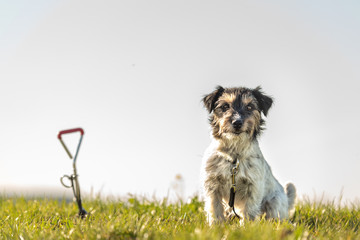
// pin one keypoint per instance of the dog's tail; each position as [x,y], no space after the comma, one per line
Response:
[291,195]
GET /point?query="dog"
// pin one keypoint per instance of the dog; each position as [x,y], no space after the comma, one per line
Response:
[234,159]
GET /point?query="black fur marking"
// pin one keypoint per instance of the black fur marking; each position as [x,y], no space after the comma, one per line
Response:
[245,188]
[265,207]
[265,102]
[210,99]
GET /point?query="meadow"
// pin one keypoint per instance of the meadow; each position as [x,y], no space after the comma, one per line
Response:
[22,218]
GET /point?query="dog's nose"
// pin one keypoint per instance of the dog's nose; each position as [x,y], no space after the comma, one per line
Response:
[237,123]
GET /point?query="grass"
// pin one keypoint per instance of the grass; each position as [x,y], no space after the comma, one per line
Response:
[142,219]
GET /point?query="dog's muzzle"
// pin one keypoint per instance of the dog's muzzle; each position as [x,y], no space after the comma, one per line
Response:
[237,124]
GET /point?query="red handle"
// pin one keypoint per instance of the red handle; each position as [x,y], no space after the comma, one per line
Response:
[70,131]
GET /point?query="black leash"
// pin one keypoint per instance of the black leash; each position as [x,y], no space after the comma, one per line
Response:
[234,169]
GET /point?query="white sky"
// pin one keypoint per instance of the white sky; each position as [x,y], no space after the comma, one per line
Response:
[132,74]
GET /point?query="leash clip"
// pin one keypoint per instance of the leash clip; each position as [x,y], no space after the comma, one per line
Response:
[235,167]
[234,170]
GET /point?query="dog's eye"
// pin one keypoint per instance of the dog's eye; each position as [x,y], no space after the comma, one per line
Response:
[225,107]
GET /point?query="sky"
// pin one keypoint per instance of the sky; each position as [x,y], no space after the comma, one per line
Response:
[132,75]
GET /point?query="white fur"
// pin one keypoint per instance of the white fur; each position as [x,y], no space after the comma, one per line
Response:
[257,191]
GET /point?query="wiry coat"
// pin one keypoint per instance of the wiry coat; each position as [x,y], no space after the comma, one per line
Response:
[257,191]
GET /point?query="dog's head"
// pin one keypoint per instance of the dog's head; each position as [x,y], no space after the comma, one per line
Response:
[237,111]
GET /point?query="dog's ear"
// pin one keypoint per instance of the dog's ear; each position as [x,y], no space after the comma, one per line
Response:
[265,102]
[210,99]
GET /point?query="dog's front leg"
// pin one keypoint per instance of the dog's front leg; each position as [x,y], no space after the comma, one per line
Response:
[251,211]
[214,208]
[252,208]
